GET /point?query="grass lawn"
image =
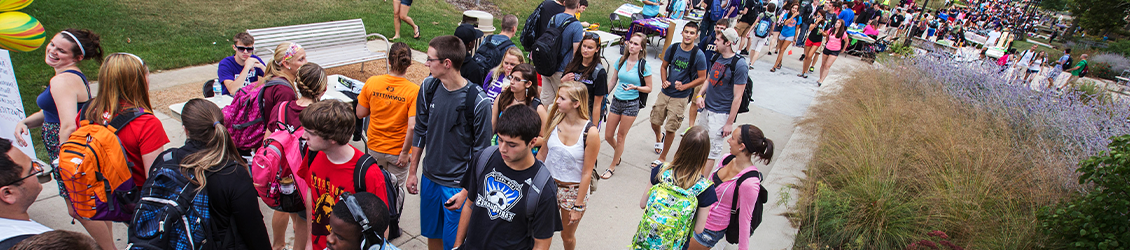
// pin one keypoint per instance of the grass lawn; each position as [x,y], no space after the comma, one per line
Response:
[1020,46]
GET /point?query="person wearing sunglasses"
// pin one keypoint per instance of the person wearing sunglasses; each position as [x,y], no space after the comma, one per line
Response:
[17,194]
[243,68]
[359,221]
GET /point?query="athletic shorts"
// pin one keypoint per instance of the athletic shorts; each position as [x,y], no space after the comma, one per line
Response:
[622,107]
[436,222]
[809,43]
[831,53]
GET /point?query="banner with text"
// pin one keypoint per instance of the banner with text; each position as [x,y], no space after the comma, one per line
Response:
[11,105]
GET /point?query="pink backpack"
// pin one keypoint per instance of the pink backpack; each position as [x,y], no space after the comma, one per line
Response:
[246,115]
[275,166]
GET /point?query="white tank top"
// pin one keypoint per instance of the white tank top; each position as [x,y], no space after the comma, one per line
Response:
[565,162]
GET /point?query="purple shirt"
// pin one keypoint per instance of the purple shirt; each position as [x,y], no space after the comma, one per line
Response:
[229,69]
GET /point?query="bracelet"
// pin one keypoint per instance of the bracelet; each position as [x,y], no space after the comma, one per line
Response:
[578,208]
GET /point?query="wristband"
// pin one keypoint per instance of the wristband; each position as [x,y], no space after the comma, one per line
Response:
[579,208]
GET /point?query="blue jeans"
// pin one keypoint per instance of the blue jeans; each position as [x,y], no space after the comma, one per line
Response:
[803,33]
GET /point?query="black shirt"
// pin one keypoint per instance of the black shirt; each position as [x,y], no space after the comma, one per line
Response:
[752,9]
[499,219]
[549,8]
[233,200]
[705,199]
[815,35]
[596,82]
[471,70]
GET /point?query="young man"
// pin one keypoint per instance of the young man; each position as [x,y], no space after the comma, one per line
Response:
[1077,70]
[441,123]
[359,221]
[329,165]
[684,69]
[20,188]
[570,39]
[751,11]
[241,69]
[470,69]
[720,99]
[1025,59]
[506,30]
[496,196]
[707,47]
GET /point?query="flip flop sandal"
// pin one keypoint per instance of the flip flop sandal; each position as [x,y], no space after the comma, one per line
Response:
[656,163]
[802,76]
[609,173]
[416,33]
[658,148]
[773,70]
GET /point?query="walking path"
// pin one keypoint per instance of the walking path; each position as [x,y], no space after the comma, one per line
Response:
[780,100]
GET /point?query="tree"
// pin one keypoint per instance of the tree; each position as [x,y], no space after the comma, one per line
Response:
[1099,16]
[1054,5]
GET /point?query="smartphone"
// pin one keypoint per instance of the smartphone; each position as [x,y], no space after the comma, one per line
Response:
[449,203]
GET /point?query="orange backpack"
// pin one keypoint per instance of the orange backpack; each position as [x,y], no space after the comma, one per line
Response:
[94,172]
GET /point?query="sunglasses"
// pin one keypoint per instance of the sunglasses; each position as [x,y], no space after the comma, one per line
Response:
[245,49]
[36,169]
[590,35]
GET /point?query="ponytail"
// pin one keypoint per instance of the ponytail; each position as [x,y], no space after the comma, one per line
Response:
[756,143]
[204,123]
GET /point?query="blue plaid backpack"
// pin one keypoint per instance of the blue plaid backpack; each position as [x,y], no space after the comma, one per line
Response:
[172,213]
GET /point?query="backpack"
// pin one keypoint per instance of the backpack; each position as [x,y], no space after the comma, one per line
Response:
[718,12]
[93,170]
[392,193]
[277,160]
[546,53]
[1086,70]
[1067,65]
[173,213]
[541,178]
[669,215]
[490,54]
[468,102]
[246,115]
[732,233]
[530,32]
[747,96]
[639,71]
[763,26]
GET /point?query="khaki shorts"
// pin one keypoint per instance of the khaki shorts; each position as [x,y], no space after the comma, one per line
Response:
[549,86]
[388,163]
[742,28]
[670,109]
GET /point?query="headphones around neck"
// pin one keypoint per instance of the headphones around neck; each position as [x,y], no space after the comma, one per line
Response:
[371,238]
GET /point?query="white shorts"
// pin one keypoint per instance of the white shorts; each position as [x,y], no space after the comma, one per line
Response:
[758,42]
[713,122]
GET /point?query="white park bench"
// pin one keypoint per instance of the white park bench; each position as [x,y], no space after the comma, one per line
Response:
[329,44]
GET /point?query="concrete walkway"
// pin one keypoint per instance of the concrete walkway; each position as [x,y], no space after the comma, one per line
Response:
[781,99]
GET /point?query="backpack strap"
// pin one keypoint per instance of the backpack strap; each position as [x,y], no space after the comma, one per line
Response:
[469,101]
[262,100]
[125,117]
[532,197]
[14,240]
[85,82]
[360,171]
[484,157]
[585,134]
[284,121]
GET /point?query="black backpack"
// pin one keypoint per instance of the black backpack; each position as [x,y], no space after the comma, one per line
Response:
[391,191]
[547,52]
[747,96]
[1068,63]
[489,54]
[530,32]
[732,229]
[639,70]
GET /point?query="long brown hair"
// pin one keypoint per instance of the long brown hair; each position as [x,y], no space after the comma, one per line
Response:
[204,122]
[528,73]
[123,77]
[400,57]
[576,92]
[578,63]
[311,82]
[690,158]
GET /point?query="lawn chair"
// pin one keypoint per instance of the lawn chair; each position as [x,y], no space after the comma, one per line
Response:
[1124,78]
[618,27]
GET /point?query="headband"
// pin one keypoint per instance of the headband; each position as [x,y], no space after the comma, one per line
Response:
[294,47]
[746,140]
[134,57]
[80,49]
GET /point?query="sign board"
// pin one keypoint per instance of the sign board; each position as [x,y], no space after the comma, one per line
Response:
[11,105]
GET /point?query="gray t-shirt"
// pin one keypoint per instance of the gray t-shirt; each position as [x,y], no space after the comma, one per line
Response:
[440,124]
[679,69]
[570,35]
[719,92]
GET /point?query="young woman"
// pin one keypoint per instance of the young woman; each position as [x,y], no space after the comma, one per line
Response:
[66,93]
[282,68]
[812,43]
[685,173]
[587,70]
[789,33]
[746,141]
[835,42]
[523,90]
[570,155]
[624,104]
[210,156]
[497,79]
[400,14]
[1035,65]
[124,87]
[311,83]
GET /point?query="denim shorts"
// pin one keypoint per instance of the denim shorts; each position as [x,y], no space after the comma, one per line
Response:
[707,238]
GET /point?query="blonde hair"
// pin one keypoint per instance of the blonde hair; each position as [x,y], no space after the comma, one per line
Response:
[643,51]
[122,78]
[513,51]
[690,158]
[204,122]
[311,81]
[274,66]
[576,92]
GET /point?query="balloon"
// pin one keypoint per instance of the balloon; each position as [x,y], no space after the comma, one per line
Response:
[20,32]
[10,5]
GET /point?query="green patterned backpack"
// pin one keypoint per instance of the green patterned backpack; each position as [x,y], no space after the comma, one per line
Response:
[669,216]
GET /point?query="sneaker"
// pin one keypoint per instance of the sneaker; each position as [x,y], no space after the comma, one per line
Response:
[812,69]
[802,57]
[745,52]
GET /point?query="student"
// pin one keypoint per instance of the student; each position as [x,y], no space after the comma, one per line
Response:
[521,92]
[400,10]
[720,100]
[58,239]
[311,83]
[683,70]
[499,78]
[1060,64]
[1026,59]
[1077,71]
[389,101]
[789,32]
[1035,65]
[707,44]
[283,68]
[746,141]
[587,69]
[70,93]
[833,45]
[231,196]
[359,221]
[750,35]
[124,85]
[751,13]
[471,69]
[650,8]
[441,123]
[570,155]
[241,69]
[684,173]
[329,165]
[495,196]
[624,101]
[570,40]
[20,189]
[812,43]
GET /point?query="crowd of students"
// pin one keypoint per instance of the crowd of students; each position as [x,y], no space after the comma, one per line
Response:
[510,155]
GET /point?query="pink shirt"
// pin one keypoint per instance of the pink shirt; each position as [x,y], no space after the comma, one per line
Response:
[719,216]
[871,31]
[834,43]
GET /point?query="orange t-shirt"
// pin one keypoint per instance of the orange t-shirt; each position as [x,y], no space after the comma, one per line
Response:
[391,101]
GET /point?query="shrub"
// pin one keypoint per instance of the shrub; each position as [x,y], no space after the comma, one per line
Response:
[1090,91]
[1107,65]
[1098,219]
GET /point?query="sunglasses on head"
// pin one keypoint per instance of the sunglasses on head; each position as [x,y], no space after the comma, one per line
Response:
[245,49]
[590,35]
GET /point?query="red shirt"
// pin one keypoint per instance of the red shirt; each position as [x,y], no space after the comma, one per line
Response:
[141,136]
[327,181]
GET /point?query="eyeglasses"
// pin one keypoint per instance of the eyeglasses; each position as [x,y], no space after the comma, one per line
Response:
[245,49]
[433,59]
[36,169]
[515,79]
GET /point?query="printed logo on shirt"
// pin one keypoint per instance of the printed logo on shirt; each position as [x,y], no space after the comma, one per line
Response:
[327,194]
[499,194]
[716,72]
[250,74]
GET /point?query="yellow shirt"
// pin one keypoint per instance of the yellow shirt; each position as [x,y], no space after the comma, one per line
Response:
[391,101]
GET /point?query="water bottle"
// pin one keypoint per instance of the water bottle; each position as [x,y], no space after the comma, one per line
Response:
[217,88]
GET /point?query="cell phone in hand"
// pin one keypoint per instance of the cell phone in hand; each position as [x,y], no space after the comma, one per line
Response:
[449,203]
